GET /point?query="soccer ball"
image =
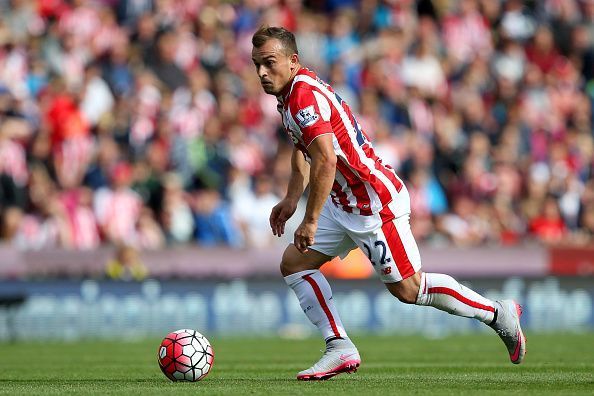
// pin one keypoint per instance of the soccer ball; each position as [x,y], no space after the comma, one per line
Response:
[185,355]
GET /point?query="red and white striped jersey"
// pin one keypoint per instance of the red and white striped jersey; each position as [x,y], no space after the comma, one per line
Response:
[310,108]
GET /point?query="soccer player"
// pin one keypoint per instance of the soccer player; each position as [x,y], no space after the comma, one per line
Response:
[355,200]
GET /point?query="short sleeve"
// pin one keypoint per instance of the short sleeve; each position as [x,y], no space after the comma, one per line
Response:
[311,112]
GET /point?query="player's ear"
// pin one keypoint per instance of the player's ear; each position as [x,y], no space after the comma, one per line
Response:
[294,61]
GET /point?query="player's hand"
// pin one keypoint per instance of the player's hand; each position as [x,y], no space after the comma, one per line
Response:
[280,214]
[304,235]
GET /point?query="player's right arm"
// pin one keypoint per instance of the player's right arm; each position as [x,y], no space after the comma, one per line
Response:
[297,184]
[299,175]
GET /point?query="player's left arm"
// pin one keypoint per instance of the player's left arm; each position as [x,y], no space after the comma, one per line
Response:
[321,178]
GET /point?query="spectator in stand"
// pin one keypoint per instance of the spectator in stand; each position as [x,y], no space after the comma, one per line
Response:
[126,265]
[428,200]
[466,34]
[44,227]
[462,225]
[83,231]
[252,212]
[150,235]
[213,220]
[542,51]
[177,218]
[97,99]
[548,225]
[117,207]
[586,231]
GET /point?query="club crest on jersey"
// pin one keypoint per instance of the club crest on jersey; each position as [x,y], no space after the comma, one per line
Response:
[307,116]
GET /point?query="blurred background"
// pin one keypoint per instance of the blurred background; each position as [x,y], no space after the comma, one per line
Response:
[140,158]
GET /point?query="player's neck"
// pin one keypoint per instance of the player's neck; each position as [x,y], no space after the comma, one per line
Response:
[297,69]
[283,93]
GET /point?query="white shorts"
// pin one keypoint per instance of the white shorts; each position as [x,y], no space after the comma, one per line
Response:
[386,237]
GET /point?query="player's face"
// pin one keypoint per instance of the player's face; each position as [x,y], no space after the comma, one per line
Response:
[274,67]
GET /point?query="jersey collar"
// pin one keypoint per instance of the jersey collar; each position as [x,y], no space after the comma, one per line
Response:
[284,93]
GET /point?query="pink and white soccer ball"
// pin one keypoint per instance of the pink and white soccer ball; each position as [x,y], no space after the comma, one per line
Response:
[185,355]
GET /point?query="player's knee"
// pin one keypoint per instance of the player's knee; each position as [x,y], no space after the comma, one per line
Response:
[406,296]
[288,264]
[406,290]
[285,268]
[294,261]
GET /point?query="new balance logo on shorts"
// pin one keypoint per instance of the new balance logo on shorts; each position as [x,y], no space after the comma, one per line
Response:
[387,271]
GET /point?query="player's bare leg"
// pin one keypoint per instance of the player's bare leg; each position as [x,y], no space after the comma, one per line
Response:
[445,293]
[301,272]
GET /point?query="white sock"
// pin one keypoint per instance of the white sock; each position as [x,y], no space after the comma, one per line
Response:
[315,297]
[445,293]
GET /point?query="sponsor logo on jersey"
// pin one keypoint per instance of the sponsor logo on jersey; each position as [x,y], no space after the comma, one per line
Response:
[307,116]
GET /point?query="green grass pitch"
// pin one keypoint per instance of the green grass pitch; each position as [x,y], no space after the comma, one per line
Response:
[469,364]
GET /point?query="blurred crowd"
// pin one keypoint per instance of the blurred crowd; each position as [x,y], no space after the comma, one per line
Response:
[142,122]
